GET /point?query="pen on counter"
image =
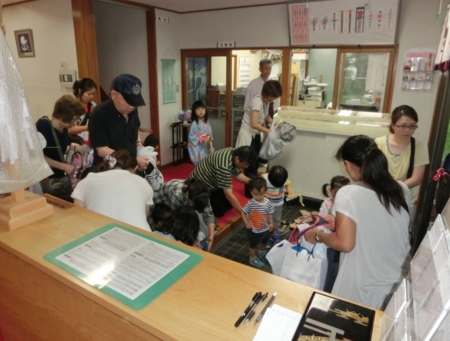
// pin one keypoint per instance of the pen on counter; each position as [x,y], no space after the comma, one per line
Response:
[246,311]
[265,308]
[252,313]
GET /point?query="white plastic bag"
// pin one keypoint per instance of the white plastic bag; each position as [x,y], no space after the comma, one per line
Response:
[320,252]
[276,256]
[272,145]
[302,267]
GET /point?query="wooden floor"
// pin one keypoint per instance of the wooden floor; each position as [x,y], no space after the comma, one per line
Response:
[231,219]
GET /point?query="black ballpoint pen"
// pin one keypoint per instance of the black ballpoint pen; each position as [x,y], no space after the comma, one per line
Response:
[265,308]
[252,313]
[246,311]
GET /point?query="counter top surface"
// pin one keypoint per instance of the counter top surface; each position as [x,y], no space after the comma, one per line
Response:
[338,122]
[202,305]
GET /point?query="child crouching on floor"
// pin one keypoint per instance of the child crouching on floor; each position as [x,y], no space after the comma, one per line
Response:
[257,215]
[183,226]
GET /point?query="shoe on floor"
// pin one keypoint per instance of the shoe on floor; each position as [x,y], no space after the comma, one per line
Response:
[256,262]
[262,255]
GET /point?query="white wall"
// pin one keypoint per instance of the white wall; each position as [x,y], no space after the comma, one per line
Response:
[419,27]
[267,26]
[218,68]
[264,26]
[54,42]
[121,33]
[168,47]
[255,58]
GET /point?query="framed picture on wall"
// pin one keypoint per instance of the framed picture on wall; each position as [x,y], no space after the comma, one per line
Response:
[25,43]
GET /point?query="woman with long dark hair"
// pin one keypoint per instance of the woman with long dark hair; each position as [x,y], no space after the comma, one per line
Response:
[84,89]
[372,221]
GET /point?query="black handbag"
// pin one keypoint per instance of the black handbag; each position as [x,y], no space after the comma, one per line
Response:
[60,187]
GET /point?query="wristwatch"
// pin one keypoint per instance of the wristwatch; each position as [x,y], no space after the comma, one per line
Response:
[317,237]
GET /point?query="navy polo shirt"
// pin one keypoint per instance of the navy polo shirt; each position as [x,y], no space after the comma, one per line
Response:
[109,128]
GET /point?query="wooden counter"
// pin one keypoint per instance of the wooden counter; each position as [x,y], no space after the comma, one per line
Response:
[310,158]
[40,301]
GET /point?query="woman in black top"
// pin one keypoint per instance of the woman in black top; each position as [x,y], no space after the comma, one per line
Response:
[67,111]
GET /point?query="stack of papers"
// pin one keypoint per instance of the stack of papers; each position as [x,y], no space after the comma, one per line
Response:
[278,324]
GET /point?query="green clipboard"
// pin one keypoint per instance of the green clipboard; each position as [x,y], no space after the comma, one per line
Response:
[149,294]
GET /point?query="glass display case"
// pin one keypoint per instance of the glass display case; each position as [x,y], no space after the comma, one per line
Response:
[342,122]
[363,79]
[310,157]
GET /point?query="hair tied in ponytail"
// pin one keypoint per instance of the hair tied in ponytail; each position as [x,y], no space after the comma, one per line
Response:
[111,161]
[369,149]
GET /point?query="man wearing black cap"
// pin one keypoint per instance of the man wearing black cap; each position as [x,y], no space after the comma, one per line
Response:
[114,124]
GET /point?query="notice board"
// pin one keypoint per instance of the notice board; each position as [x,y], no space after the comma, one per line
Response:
[345,22]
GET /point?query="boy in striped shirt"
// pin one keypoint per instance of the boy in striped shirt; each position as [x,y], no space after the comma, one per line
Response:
[277,184]
[257,215]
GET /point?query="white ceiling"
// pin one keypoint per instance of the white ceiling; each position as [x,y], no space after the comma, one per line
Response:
[199,5]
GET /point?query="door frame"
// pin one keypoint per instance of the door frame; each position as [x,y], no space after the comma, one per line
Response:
[388,92]
[208,53]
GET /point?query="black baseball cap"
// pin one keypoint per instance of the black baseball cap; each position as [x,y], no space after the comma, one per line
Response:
[129,87]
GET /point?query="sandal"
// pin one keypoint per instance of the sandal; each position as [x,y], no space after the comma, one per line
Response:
[293,223]
[283,225]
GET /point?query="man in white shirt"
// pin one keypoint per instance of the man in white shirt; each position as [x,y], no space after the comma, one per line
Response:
[256,85]
[254,89]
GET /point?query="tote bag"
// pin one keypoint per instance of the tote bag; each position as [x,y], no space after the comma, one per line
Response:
[276,256]
[300,266]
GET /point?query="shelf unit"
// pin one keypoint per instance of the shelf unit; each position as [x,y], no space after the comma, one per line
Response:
[237,116]
[312,95]
[180,134]
[216,109]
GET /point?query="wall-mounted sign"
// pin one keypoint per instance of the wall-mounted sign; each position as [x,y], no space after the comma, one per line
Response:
[346,22]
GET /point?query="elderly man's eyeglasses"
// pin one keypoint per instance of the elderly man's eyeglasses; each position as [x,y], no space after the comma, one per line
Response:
[411,127]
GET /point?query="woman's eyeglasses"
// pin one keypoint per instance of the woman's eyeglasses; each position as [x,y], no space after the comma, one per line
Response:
[411,127]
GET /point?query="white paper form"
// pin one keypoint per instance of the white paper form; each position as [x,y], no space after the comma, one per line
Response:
[278,324]
[376,72]
[123,261]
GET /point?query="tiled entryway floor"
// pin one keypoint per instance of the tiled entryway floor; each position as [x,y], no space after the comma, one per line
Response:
[235,245]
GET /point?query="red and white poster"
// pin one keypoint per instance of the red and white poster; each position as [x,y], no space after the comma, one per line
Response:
[343,22]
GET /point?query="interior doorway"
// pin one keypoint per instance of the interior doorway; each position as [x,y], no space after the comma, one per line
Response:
[206,77]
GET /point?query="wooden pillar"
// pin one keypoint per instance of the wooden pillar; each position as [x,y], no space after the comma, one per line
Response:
[229,100]
[153,71]
[286,76]
[86,44]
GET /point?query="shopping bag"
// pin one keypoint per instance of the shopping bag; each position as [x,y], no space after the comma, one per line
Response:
[272,145]
[300,266]
[318,250]
[303,225]
[276,256]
